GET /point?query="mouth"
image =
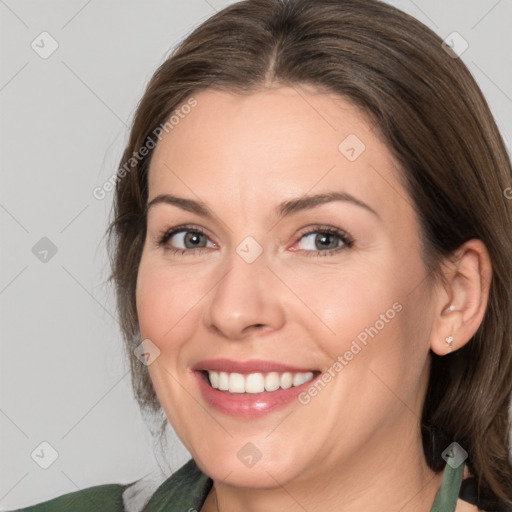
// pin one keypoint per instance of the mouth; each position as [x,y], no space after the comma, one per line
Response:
[253,388]
[254,383]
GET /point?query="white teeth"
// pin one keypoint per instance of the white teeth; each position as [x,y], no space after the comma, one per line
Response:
[214,379]
[236,383]
[254,383]
[272,381]
[300,378]
[286,380]
[257,382]
[223,381]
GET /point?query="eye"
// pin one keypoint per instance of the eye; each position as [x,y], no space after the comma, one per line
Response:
[184,239]
[318,241]
[324,241]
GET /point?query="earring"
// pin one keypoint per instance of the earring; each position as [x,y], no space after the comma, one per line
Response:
[450,308]
[449,340]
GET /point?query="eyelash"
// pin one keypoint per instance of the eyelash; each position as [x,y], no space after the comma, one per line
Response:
[345,238]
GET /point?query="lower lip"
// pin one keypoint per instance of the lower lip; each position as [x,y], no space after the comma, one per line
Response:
[248,405]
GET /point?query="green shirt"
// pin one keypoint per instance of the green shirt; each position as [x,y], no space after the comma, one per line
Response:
[186,491]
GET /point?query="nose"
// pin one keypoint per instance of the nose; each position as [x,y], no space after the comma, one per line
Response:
[246,299]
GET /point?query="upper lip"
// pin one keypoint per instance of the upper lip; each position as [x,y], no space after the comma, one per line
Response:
[245,367]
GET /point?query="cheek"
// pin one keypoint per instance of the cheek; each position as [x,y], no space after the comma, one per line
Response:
[352,304]
[168,314]
[374,312]
[167,300]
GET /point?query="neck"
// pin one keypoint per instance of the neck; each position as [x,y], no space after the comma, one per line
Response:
[396,478]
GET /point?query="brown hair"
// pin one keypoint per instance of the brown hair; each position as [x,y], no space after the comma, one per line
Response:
[437,124]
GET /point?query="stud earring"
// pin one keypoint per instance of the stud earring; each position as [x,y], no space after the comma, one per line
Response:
[449,340]
[450,308]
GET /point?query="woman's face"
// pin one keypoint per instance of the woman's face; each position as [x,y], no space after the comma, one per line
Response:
[257,286]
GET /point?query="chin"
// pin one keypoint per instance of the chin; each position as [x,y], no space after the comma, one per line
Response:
[245,469]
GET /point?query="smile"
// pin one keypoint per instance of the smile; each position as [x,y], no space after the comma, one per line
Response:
[250,389]
[256,382]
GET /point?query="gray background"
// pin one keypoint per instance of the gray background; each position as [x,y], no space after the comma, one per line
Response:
[65,122]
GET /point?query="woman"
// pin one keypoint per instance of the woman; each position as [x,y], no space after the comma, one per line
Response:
[311,247]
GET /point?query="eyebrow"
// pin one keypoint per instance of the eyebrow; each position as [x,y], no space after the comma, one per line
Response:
[284,209]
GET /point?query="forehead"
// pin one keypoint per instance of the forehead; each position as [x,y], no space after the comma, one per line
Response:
[254,149]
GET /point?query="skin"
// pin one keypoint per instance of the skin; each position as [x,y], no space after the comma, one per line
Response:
[358,440]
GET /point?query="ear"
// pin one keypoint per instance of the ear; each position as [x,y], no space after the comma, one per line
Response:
[461,300]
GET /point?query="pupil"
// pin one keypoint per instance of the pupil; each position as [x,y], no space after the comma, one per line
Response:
[323,240]
[192,238]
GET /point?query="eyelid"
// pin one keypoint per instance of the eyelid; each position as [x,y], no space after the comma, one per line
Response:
[346,239]
[313,228]
[165,234]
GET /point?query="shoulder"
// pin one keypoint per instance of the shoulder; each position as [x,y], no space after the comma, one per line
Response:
[473,499]
[464,506]
[467,493]
[185,489]
[101,498]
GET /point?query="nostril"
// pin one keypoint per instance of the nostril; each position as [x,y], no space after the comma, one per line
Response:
[254,326]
